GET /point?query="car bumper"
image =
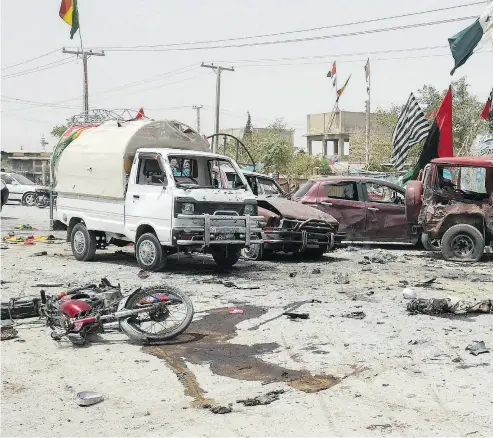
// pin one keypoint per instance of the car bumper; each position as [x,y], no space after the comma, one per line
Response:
[218,230]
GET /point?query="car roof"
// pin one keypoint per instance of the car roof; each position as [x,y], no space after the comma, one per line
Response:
[465,161]
[357,179]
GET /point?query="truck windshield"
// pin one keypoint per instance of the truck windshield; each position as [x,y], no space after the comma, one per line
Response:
[201,172]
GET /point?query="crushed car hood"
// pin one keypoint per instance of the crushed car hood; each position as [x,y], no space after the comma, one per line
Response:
[293,210]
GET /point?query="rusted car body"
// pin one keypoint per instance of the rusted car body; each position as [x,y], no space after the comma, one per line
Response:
[453,202]
[368,210]
[289,226]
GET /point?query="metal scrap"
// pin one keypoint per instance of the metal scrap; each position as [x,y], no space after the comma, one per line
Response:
[437,306]
[354,315]
[477,348]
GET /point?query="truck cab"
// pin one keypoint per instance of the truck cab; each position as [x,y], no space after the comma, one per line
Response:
[162,196]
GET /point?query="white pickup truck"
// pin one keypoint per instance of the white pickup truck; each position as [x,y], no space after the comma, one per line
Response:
[150,183]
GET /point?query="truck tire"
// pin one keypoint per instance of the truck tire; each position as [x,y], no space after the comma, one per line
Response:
[226,257]
[414,193]
[430,244]
[83,243]
[462,243]
[255,252]
[149,253]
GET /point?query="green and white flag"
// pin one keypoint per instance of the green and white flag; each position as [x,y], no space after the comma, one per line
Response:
[463,43]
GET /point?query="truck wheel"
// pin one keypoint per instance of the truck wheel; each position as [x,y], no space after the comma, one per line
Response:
[150,254]
[430,244]
[28,199]
[83,243]
[462,243]
[255,252]
[226,257]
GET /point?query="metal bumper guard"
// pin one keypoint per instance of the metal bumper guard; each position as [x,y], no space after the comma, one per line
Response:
[299,236]
[210,229]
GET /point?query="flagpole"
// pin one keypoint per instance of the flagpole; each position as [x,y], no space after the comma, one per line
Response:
[368,116]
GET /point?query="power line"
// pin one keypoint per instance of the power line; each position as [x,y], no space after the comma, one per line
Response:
[30,60]
[296,40]
[31,102]
[411,14]
[40,68]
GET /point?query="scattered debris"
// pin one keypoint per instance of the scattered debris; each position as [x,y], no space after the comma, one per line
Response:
[24,227]
[316,271]
[294,315]
[354,315]
[222,409]
[380,257]
[25,307]
[437,306]
[8,331]
[49,284]
[477,347]
[293,274]
[409,294]
[426,283]
[316,301]
[266,399]
[143,274]
[379,426]
[352,249]
[235,310]
[39,254]
[457,359]
[342,278]
[229,283]
[88,398]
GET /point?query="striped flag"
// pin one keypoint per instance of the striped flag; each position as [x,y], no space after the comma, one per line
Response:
[411,128]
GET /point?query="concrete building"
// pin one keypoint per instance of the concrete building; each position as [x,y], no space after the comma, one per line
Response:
[337,128]
[33,165]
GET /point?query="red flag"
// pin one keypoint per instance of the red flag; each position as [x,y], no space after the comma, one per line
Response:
[140,114]
[487,112]
[444,122]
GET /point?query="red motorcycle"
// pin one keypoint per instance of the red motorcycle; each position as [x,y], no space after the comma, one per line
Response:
[152,314]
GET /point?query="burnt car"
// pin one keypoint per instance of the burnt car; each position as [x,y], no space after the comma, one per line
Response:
[288,226]
[452,202]
[368,210]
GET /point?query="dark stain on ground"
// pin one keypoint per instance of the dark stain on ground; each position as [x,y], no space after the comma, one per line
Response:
[206,342]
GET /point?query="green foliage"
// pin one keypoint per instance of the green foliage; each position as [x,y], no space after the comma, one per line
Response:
[58,131]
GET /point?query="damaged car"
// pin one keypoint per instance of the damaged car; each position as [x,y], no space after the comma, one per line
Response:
[452,202]
[288,226]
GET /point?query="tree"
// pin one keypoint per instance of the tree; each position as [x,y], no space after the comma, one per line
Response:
[58,131]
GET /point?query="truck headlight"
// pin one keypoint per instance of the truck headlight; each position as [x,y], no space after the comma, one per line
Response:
[187,208]
[250,209]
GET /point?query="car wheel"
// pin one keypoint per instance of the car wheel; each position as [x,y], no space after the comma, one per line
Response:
[149,253]
[430,244]
[462,243]
[255,252]
[83,243]
[226,257]
[28,199]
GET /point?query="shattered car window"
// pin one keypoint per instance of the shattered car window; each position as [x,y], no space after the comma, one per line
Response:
[347,190]
[382,193]
[268,187]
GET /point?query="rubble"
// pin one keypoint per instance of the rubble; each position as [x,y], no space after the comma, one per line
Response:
[477,348]
[354,315]
[437,306]
[88,398]
[266,399]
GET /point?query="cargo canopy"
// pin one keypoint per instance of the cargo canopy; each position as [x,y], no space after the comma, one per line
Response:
[93,163]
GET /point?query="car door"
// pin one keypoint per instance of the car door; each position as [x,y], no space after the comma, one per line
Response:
[14,188]
[149,199]
[386,214]
[343,200]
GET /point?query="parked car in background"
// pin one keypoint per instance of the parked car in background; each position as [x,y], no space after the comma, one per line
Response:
[5,194]
[21,189]
[288,226]
[453,203]
[368,210]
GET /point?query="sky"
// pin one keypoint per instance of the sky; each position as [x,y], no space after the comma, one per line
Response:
[40,94]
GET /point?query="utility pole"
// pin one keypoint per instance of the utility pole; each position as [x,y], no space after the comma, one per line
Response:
[198,108]
[85,54]
[218,69]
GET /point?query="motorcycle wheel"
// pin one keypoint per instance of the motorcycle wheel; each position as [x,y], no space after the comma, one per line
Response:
[40,202]
[160,326]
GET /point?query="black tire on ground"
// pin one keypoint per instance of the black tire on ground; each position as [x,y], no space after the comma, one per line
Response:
[255,252]
[28,199]
[462,243]
[226,257]
[83,243]
[149,253]
[133,328]
[430,244]
[314,253]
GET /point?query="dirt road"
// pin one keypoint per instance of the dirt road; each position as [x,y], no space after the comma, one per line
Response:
[386,374]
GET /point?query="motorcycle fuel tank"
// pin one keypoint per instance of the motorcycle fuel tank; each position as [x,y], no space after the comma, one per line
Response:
[72,308]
